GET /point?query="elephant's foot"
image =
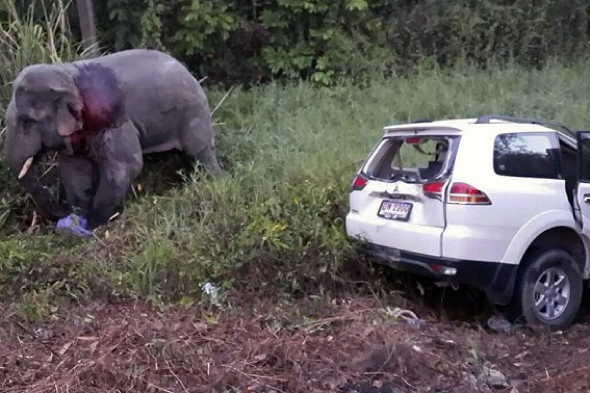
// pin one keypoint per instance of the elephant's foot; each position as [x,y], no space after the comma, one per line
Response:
[208,159]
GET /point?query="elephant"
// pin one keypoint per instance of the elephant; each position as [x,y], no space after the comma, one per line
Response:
[102,115]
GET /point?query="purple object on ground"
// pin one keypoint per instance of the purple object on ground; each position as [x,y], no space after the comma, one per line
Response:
[73,225]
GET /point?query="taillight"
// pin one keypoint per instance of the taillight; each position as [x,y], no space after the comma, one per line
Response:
[465,194]
[461,193]
[433,189]
[359,182]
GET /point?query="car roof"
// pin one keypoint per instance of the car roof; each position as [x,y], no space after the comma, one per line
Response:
[489,124]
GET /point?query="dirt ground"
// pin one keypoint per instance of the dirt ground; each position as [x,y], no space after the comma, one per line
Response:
[361,344]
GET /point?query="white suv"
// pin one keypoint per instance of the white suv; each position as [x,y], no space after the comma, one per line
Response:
[498,203]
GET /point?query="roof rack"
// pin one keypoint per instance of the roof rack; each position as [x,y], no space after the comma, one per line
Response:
[551,124]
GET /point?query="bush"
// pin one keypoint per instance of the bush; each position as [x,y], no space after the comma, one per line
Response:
[322,41]
[481,31]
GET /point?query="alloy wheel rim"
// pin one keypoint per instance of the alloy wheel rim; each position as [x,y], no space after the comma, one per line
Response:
[552,293]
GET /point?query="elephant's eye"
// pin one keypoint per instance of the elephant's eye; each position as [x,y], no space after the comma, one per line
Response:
[27,123]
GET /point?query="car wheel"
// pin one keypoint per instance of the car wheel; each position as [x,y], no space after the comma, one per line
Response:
[549,290]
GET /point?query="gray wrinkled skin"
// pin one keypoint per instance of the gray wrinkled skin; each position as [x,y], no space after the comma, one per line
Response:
[153,105]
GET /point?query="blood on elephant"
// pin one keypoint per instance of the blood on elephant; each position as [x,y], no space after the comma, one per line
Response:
[102,102]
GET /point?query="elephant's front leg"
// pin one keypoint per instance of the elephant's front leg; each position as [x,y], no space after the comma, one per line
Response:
[79,177]
[119,158]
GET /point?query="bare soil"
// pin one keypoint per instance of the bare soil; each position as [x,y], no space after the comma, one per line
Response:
[346,344]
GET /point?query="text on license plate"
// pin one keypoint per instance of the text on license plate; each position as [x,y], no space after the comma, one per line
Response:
[395,210]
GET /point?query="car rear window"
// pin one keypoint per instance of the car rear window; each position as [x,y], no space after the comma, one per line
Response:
[415,159]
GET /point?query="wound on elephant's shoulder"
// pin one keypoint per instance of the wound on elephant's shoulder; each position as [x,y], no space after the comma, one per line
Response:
[101,95]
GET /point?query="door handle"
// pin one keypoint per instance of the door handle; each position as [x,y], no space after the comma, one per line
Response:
[587,198]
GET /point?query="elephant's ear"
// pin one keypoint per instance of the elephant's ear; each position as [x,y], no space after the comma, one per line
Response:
[69,115]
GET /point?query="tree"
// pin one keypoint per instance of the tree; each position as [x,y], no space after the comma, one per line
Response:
[87,25]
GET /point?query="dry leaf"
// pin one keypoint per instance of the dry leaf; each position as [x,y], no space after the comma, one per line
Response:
[260,357]
[64,348]
[368,330]
[87,338]
[521,355]
[158,325]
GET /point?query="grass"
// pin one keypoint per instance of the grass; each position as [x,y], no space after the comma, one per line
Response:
[275,224]
[277,218]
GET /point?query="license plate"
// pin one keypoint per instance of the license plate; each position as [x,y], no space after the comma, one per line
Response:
[395,210]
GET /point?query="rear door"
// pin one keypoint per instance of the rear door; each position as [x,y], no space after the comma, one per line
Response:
[402,202]
[583,186]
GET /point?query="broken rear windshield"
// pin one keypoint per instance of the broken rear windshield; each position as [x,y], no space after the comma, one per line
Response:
[415,159]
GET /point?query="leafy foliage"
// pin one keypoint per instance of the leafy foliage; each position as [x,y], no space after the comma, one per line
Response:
[151,27]
[202,25]
[482,31]
[321,40]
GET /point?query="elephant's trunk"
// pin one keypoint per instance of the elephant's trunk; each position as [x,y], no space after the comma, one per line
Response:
[20,153]
[20,150]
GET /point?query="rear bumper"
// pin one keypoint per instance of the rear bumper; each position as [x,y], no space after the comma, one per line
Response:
[495,279]
[423,239]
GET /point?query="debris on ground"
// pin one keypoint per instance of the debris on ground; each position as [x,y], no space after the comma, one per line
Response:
[346,347]
[486,376]
[409,316]
[500,324]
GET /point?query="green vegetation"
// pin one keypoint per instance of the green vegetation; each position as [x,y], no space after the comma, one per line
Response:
[322,41]
[276,222]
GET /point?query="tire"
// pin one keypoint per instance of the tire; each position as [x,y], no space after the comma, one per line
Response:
[565,293]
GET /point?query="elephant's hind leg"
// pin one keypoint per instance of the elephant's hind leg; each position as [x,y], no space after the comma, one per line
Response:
[208,158]
[198,144]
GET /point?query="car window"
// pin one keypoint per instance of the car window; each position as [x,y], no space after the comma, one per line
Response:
[527,155]
[415,159]
[584,147]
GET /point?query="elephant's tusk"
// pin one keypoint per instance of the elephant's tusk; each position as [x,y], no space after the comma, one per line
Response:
[26,167]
